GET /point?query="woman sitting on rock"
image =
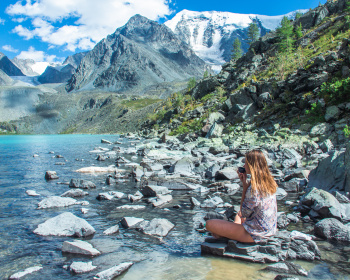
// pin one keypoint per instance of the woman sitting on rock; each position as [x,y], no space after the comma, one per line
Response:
[257,218]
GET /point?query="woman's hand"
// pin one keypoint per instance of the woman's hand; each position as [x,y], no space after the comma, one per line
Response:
[243,178]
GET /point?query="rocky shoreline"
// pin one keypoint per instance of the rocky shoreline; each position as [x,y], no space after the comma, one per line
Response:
[172,167]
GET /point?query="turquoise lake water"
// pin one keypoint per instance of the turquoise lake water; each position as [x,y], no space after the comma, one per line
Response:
[176,257]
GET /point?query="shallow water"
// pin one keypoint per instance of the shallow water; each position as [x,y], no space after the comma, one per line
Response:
[175,257]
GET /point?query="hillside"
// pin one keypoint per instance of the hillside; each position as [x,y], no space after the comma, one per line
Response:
[274,95]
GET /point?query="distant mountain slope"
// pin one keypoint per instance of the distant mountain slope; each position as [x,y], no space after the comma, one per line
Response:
[59,74]
[5,80]
[75,59]
[211,34]
[26,66]
[140,54]
[8,67]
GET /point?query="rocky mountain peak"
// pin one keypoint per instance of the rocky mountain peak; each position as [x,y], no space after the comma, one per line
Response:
[140,54]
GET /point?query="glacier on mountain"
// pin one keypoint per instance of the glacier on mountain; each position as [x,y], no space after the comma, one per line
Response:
[211,34]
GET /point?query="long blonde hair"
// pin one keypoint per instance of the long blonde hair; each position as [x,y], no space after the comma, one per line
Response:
[261,180]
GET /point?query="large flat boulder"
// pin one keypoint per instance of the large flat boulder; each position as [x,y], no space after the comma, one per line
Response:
[332,229]
[81,267]
[80,247]
[280,247]
[56,201]
[27,271]
[65,224]
[157,227]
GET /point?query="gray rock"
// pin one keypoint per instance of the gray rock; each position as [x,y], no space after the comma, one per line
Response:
[195,202]
[80,247]
[32,193]
[65,224]
[330,173]
[113,272]
[281,193]
[160,200]
[51,175]
[74,193]
[183,166]
[106,141]
[347,167]
[110,195]
[215,131]
[282,221]
[341,198]
[320,129]
[56,201]
[216,117]
[292,218]
[264,99]
[228,173]
[231,189]
[153,191]
[81,267]
[157,227]
[131,222]
[82,184]
[332,113]
[287,267]
[332,229]
[326,146]
[323,203]
[212,202]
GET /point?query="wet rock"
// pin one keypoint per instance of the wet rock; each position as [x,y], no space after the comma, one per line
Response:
[74,193]
[285,277]
[27,271]
[84,210]
[111,230]
[110,195]
[332,229]
[79,247]
[292,218]
[157,227]
[65,224]
[131,222]
[153,191]
[287,267]
[113,272]
[51,175]
[56,201]
[32,193]
[110,181]
[82,184]
[281,193]
[102,157]
[81,267]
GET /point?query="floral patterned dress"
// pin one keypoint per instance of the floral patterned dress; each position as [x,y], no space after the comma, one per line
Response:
[261,215]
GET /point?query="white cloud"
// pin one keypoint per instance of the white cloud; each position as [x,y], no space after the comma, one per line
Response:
[38,56]
[9,48]
[93,20]
[19,19]
[2,21]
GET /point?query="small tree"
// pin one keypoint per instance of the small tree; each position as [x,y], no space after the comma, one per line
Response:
[285,35]
[299,31]
[253,33]
[191,84]
[206,74]
[298,15]
[237,51]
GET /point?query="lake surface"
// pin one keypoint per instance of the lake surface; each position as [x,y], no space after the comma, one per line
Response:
[177,256]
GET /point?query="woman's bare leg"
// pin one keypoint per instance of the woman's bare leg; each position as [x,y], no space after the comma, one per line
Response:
[238,219]
[229,230]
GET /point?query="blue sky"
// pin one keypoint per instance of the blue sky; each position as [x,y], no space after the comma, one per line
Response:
[50,30]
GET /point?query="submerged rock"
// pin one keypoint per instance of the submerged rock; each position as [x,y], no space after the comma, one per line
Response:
[80,247]
[27,271]
[110,195]
[65,224]
[32,193]
[111,230]
[287,267]
[113,272]
[82,184]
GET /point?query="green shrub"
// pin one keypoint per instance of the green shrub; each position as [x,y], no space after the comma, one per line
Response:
[337,91]
[347,131]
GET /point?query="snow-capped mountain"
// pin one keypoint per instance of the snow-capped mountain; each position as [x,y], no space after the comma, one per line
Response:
[211,34]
